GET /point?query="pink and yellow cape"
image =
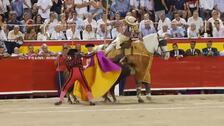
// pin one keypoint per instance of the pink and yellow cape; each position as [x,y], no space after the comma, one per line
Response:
[101,74]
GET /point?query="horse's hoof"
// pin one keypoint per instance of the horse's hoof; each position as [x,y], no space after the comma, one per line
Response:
[140,101]
[148,97]
[92,103]
[58,103]
[77,101]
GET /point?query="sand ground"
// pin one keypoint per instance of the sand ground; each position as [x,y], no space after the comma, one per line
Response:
[194,110]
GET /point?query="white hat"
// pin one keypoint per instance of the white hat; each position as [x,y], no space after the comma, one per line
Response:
[131,20]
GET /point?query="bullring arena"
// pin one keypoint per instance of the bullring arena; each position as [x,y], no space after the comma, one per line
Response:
[194,110]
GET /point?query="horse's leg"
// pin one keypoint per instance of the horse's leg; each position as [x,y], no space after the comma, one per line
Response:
[140,100]
[106,98]
[148,90]
[113,94]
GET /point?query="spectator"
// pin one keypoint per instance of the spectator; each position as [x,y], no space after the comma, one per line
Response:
[104,20]
[43,51]
[96,9]
[134,4]
[121,6]
[116,30]
[31,52]
[160,7]
[81,7]
[146,19]
[44,7]
[27,8]
[215,16]
[90,20]
[4,7]
[38,21]
[17,53]
[164,21]
[31,34]
[88,33]
[13,21]
[193,51]
[196,20]
[68,6]
[219,5]
[179,5]
[192,5]
[2,35]
[207,31]
[63,22]
[148,7]
[103,33]
[42,35]
[192,31]
[51,23]
[15,34]
[3,52]
[56,6]
[176,32]
[79,22]
[176,52]
[180,21]
[206,7]
[147,29]
[72,33]
[17,6]
[218,30]
[34,11]
[209,50]
[58,33]
[164,33]
[222,52]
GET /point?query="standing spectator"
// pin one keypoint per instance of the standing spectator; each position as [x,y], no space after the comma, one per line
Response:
[147,29]
[176,32]
[121,6]
[15,34]
[13,21]
[209,50]
[219,5]
[71,32]
[44,7]
[34,11]
[206,7]
[31,34]
[58,33]
[192,5]
[148,7]
[88,33]
[68,6]
[215,16]
[196,20]
[176,52]
[96,9]
[218,30]
[17,6]
[193,51]
[179,5]
[103,33]
[4,8]
[192,32]
[90,20]
[27,8]
[56,6]
[135,4]
[163,21]
[160,7]
[81,7]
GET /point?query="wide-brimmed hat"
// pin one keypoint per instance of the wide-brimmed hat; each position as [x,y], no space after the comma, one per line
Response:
[131,20]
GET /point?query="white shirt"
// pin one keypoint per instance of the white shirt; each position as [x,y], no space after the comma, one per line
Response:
[101,35]
[51,26]
[44,4]
[164,35]
[93,23]
[218,34]
[161,23]
[135,3]
[221,53]
[72,36]
[220,5]
[114,33]
[12,36]
[83,10]
[148,4]
[211,20]
[57,35]
[5,3]
[41,37]
[88,35]
[2,35]
[28,3]
[192,34]
[206,4]
[100,21]
[198,22]
[181,21]
[142,24]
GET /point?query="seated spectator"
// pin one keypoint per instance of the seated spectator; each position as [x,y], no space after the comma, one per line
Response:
[43,51]
[2,35]
[193,51]
[164,33]
[72,33]
[142,23]
[31,34]
[147,29]
[90,20]
[209,50]
[62,22]
[13,21]
[215,16]
[222,52]
[181,22]
[116,30]
[206,31]
[88,33]
[104,20]
[163,21]
[103,33]
[176,52]
[196,20]
[192,31]
[79,22]
[38,21]
[3,52]
[16,53]
[51,23]
[58,34]
[31,52]
[43,35]
[2,23]
[15,34]
[176,32]
[218,30]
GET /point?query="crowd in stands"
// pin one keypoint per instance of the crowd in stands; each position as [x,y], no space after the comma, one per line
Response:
[102,19]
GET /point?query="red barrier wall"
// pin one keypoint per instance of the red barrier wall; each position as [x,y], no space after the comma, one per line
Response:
[190,72]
